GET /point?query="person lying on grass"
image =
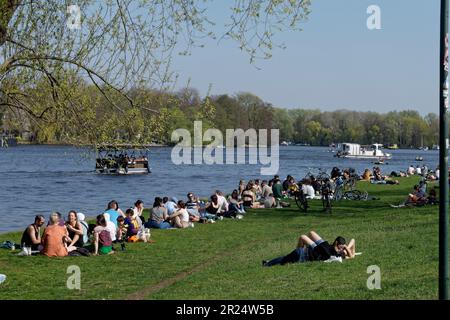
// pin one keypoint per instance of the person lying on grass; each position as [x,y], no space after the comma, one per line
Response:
[312,247]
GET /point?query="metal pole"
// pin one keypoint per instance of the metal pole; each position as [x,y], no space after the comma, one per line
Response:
[443,155]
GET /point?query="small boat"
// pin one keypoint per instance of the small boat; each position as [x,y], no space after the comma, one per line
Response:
[113,161]
[418,158]
[356,151]
[380,162]
[392,146]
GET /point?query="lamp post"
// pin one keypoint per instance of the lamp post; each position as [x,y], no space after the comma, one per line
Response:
[443,154]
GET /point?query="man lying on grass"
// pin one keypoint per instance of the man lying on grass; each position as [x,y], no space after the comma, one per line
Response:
[312,247]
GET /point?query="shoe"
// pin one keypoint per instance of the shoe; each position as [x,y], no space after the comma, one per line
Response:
[191,224]
[239,216]
[264,263]
[220,217]
[23,253]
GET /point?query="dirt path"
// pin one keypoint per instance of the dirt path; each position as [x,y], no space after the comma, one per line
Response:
[149,290]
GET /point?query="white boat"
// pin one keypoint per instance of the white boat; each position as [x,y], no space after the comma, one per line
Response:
[357,151]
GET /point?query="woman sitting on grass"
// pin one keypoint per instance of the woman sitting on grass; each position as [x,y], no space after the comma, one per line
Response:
[75,230]
[234,203]
[158,216]
[417,198]
[180,218]
[102,237]
[55,238]
[249,198]
[139,212]
[312,247]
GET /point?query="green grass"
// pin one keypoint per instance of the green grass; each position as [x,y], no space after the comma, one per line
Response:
[223,260]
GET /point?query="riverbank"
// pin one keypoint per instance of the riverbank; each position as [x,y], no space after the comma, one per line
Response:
[223,260]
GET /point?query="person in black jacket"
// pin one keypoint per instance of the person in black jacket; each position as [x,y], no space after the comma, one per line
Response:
[312,247]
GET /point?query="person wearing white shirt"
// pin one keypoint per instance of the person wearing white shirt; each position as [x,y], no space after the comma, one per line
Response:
[223,203]
[180,218]
[110,226]
[418,171]
[138,212]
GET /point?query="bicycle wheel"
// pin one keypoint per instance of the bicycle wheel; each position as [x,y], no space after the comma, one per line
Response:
[364,195]
[301,201]
[353,195]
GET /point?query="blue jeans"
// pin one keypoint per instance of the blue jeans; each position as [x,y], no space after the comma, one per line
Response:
[193,212]
[238,208]
[156,225]
[207,215]
[299,255]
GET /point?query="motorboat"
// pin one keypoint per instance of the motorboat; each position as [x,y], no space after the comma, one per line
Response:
[357,151]
[392,146]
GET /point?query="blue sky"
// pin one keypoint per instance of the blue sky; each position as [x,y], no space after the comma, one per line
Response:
[335,62]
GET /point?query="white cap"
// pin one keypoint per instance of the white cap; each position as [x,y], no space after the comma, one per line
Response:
[81,216]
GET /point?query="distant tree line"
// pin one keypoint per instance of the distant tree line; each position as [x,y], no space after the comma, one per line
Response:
[160,113]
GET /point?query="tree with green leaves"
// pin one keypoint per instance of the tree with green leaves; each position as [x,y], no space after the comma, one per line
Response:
[118,47]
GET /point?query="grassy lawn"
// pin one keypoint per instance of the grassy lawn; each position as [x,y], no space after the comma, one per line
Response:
[223,260]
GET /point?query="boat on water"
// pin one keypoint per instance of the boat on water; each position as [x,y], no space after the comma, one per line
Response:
[392,146]
[418,158]
[357,151]
[380,162]
[113,160]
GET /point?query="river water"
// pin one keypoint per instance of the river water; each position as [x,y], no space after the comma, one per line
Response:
[41,179]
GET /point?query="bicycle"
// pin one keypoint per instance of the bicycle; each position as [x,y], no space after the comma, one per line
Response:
[340,191]
[301,200]
[326,189]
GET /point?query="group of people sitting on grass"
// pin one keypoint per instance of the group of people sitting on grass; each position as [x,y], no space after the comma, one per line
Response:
[75,236]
